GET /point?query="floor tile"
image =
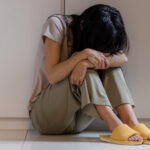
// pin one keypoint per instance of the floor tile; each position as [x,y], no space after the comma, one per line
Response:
[85,140]
[12,135]
[12,139]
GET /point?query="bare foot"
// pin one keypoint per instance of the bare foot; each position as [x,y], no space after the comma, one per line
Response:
[135,137]
[132,124]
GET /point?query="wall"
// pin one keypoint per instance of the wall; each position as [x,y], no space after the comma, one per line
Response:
[21,24]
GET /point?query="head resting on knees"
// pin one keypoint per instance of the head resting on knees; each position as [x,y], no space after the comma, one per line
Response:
[99,27]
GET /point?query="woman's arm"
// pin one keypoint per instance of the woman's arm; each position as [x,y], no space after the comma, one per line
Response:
[57,71]
[117,60]
[78,73]
[87,63]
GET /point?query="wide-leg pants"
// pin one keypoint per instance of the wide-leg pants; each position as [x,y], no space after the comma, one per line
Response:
[64,108]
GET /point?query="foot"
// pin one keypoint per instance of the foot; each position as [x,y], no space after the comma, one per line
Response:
[133,124]
[135,137]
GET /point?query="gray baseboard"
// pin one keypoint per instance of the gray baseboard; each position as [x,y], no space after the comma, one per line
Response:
[100,125]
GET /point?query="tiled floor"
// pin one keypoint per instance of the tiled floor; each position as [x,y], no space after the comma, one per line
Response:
[31,140]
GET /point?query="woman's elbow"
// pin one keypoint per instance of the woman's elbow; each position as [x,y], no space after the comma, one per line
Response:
[51,80]
[126,59]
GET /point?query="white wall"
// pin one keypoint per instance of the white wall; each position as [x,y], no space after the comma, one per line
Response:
[20,28]
[137,21]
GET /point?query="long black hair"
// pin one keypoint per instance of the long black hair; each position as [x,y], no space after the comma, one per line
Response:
[99,27]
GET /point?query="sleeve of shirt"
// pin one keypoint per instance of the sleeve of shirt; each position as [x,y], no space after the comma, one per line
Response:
[53,29]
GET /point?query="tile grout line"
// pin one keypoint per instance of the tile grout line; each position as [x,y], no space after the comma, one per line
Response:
[24,140]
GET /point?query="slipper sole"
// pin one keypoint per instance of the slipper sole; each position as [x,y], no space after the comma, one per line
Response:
[106,138]
[147,142]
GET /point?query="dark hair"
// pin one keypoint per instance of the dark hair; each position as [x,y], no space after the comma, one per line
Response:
[102,29]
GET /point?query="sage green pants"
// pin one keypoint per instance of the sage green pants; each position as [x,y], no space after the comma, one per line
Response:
[63,108]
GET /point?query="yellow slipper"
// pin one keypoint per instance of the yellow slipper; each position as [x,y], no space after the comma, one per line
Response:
[120,135]
[144,131]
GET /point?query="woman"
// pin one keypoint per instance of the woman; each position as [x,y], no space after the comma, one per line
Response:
[81,77]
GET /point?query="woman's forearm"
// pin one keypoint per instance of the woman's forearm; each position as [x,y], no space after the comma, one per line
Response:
[87,63]
[117,60]
[63,69]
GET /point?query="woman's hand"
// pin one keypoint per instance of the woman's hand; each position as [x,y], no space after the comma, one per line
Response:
[97,58]
[78,73]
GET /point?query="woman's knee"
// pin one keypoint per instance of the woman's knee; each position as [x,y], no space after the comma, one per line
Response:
[92,75]
[111,71]
[91,72]
[114,71]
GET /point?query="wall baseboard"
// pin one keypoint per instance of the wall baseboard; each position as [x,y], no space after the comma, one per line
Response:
[15,123]
[25,124]
[100,125]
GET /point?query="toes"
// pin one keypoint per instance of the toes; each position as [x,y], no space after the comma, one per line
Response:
[132,138]
[139,138]
[135,137]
